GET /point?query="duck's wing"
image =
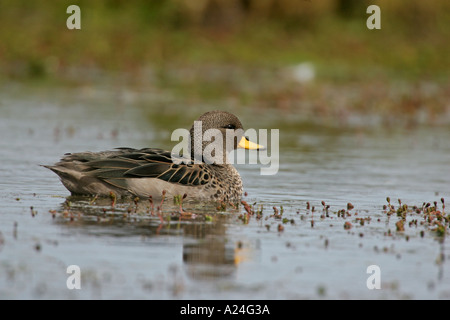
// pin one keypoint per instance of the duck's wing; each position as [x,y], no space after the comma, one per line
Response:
[127,163]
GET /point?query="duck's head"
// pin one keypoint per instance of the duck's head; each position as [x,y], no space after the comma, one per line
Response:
[216,133]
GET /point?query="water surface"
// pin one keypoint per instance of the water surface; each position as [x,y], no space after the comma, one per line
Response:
[126,252]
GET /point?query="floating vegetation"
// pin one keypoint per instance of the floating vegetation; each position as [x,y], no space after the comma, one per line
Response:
[280,228]
[430,216]
[33,212]
[397,218]
[113,197]
[400,226]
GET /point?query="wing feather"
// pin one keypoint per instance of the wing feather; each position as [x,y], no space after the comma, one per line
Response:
[114,167]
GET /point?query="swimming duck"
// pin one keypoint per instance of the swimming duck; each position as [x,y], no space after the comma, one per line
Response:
[150,171]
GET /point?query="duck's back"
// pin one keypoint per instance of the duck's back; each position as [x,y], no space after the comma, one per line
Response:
[144,172]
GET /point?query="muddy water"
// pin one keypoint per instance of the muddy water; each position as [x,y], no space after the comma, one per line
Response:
[128,251]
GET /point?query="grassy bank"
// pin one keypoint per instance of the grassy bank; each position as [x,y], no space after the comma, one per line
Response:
[128,36]
[241,50]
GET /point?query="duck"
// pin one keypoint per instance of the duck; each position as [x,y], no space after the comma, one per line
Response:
[153,172]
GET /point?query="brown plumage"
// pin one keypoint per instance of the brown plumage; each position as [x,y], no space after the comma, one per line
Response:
[147,172]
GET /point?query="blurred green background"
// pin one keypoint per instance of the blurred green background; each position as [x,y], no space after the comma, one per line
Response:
[310,57]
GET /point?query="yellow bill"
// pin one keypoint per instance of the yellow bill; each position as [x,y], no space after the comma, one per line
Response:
[247,144]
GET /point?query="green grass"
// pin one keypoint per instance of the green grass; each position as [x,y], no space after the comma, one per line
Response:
[157,44]
[126,37]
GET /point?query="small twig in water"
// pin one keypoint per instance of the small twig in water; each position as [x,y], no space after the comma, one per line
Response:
[150,199]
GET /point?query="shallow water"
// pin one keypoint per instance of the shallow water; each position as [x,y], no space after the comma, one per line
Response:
[126,252]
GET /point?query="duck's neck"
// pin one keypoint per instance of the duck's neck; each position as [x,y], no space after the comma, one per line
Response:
[231,178]
[210,155]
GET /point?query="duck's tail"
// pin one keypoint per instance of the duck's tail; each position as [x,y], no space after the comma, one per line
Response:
[79,182]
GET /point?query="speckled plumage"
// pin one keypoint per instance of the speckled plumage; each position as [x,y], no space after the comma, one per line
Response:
[147,172]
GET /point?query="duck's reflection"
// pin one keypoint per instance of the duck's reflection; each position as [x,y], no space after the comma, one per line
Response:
[208,250]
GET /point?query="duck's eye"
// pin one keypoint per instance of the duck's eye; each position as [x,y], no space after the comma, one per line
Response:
[230,126]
